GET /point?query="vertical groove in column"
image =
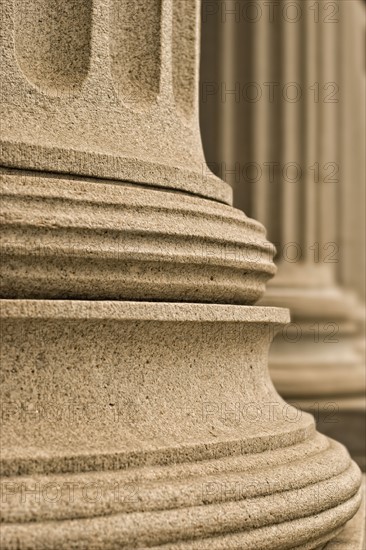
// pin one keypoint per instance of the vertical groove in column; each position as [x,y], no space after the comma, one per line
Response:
[227,86]
[311,128]
[292,131]
[260,199]
[328,150]
[219,85]
[52,42]
[352,143]
[184,58]
[210,75]
[135,49]
[266,201]
[243,82]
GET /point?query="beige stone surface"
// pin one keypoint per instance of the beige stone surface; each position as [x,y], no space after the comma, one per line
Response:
[71,238]
[340,418]
[110,384]
[317,364]
[316,355]
[353,536]
[105,89]
[314,221]
[134,416]
[352,119]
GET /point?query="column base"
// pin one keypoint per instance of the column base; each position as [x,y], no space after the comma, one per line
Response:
[353,536]
[134,425]
[341,419]
[68,238]
[318,365]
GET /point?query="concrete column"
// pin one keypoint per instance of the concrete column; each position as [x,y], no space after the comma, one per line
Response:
[288,155]
[137,406]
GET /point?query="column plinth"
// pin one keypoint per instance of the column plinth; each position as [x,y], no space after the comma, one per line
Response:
[111,383]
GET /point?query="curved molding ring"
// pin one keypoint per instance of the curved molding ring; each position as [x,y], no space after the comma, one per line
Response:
[303,495]
[73,239]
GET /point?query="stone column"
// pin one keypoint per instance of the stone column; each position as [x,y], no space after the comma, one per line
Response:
[286,169]
[137,410]
[352,143]
[352,197]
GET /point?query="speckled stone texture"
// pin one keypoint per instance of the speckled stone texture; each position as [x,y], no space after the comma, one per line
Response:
[133,414]
[69,238]
[163,419]
[106,89]
[318,227]
[353,536]
[317,364]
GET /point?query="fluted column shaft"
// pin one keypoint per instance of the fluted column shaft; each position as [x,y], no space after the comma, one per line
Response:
[352,144]
[79,83]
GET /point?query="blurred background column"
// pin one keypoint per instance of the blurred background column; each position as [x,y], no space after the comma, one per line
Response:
[352,197]
[282,117]
[352,140]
